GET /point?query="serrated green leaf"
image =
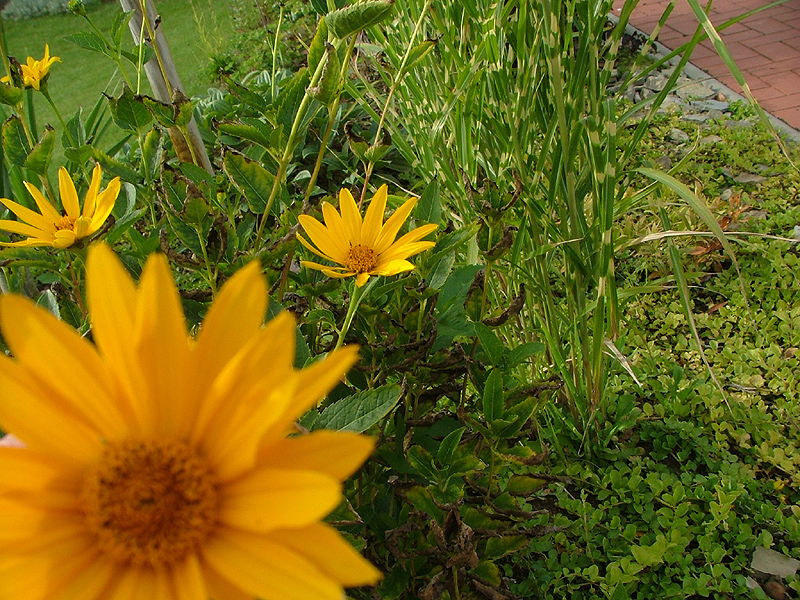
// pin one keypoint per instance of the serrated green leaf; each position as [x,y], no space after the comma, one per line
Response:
[487,570]
[448,446]
[130,112]
[524,484]
[39,158]
[328,86]
[252,180]
[10,94]
[290,98]
[420,499]
[148,54]
[523,351]
[417,53]
[118,26]
[186,233]
[195,210]
[493,408]
[258,135]
[79,155]
[359,411]
[48,301]
[250,98]
[516,416]
[15,144]
[501,546]
[164,113]
[356,17]
[491,344]
[89,40]
[422,461]
[316,50]
[152,153]
[115,168]
[429,207]
[76,129]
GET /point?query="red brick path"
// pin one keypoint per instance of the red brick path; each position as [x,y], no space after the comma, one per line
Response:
[766,47]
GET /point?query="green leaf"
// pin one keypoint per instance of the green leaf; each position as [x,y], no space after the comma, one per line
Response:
[360,411]
[422,461]
[115,168]
[524,484]
[316,49]
[328,86]
[420,499]
[321,6]
[487,570]
[524,351]
[648,556]
[129,111]
[186,233]
[499,547]
[493,397]
[252,180]
[429,208]
[195,210]
[118,26]
[417,53]
[10,94]
[152,153]
[448,446]
[76,128]
[289,99]
[490,343]
[39,158]
[49,301]
[164,113]
[89,40]
[258,133]
[394,584]
[517,416]
[15,144]
[80,155]
[356,17]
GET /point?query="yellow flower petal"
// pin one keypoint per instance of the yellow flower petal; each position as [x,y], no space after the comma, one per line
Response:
[69,196]
[220,588]
[322,239]
[394,267]
[105,204]
[350,216]
[268,570]
[21,228]
[48,210]
[63,363]
[393,225]
[332,555]
[373,219]
[334,453]
[90,202]
[295,498]
[32,218]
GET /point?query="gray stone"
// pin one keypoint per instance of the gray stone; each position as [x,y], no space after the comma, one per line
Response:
[738,124]
[695,90]
[774,563]
[726,194]
[678,136]
[709,105]
[749,178]
[710,139]
[655,82]
[664,161]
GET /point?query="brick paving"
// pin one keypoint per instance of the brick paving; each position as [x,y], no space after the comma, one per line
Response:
[765,46]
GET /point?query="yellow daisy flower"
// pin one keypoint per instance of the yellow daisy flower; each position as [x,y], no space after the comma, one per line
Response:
[367,247]
[36,70]
[158,467]
[51,228]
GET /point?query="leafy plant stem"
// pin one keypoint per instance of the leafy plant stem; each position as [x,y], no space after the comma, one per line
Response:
[114,56]
[287,152]
[332,110]
[273,85]
[395,82]
[356,296]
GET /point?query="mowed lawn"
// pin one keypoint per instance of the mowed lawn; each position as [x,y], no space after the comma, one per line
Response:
[194,30]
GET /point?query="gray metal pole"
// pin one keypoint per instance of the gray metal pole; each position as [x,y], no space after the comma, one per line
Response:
[165,81]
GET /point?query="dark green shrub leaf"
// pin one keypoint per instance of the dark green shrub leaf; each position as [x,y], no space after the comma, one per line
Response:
[493,397]
[328,86]
[429,207]
[10,95]
[254,131]
[499,547]
[129,111]
[352,19]
[39,158]
[490,343]
[524,484]
[152,152]
[164,113]
[115,168]
[524,351]
[316,49]
[289,99]
[448,446]
[15,144]
[422,461]
[89,40]
[417,53]
[360,411]
[252,180]
[321,6]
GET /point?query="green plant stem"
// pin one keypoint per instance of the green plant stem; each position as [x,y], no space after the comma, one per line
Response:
[288,152]
[395,82]
[356,296]
[152,35]
[332,110]
[52,104]
[273,86]
[115,57]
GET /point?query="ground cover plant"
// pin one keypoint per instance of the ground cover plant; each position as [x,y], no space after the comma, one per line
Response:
[576,337]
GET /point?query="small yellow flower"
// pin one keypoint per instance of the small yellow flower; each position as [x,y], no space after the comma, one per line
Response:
[36,70]
[159,469]
[50,228]
[367,247]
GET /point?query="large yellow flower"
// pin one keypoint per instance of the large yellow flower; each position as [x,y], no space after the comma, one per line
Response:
[50,228]
[158,467]
[367,247]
